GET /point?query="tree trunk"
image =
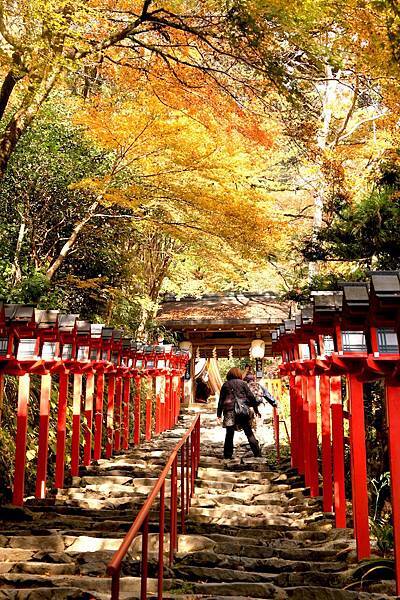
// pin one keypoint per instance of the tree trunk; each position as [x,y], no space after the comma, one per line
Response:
[23,118]
[70,243]
[9,83]
[16,269]
[322,140]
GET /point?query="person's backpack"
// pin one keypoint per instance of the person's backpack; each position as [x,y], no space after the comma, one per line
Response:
[257,391]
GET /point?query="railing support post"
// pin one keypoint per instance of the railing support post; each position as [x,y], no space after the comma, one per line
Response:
[182,500]
[161,543]
[145,558]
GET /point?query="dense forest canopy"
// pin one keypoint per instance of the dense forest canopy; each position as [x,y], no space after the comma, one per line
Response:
[186,147]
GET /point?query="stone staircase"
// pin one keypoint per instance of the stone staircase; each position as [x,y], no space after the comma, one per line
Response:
[252,532]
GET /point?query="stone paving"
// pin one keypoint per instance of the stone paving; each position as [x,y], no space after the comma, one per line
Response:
[252,531]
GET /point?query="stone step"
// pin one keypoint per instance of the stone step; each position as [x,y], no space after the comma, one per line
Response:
[240,559]
[297,593]
[253,532]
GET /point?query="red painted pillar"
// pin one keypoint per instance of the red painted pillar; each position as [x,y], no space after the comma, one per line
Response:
[158,405]
[359,468]
[44,410]
[173,400]
[293,422]
[313,435]
[338,452]
[61,429]
[20,440]
[89,395]
[117,414]
[76,424]
[170,402]
[300,423]
[393,419]
[326,451]
[306,433]
[149,407]
[98,418]
[136,430]
[110,416]
[166,401]
[127,399]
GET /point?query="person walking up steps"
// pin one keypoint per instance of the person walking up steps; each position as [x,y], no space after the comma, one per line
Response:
[235,399]
[260,392]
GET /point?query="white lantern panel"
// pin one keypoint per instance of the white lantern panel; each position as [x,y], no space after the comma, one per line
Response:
[49,350]
[354,341]
[3,346]
[26,349]
[67,352]
[388,342]
[83,353]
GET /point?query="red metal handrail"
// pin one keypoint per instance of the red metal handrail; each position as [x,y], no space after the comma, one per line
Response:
[189,449]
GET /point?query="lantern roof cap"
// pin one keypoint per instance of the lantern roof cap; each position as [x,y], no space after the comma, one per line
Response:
[96,330]
[117,335]
[46,318]
[126,343]
[148,349]
[290,325]
[67,323]
[83,328]
[355,296]
[385,284]
[327,301]
[307,315]
[160,349]
[107,333]
[20,313]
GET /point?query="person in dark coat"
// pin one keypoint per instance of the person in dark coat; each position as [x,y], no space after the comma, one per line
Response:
[235,390]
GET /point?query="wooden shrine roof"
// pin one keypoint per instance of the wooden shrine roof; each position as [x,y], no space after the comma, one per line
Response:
[224,321]
[229,309]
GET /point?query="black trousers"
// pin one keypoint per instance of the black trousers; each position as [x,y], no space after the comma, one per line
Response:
[230,432]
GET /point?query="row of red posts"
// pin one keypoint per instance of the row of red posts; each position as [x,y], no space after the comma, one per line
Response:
[329,351]
[94,366]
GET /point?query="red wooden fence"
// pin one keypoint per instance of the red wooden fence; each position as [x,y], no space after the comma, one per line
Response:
[337,344]
[82,362]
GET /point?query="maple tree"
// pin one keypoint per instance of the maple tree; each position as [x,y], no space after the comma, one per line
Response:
[44,42]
